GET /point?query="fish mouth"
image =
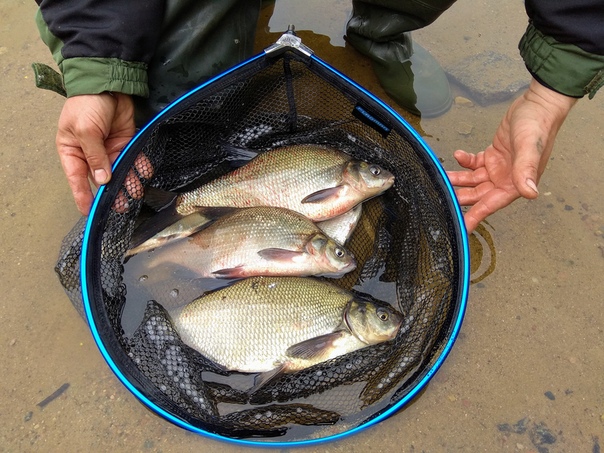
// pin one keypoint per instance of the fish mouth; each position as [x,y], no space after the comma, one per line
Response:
[387,183]
[337,273]
[349,267]
[398,328]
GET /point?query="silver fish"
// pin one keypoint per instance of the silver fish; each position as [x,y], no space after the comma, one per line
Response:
[282,324]
[338,228]
[257,241]
[316,181]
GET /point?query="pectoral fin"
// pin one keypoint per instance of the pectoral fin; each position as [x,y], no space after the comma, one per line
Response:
[277,254]
[323,195]
[316,349]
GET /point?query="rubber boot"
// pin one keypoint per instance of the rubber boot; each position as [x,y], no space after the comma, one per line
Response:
[406,71]
[199,39]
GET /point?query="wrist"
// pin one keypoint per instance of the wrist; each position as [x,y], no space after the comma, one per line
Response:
[556,103]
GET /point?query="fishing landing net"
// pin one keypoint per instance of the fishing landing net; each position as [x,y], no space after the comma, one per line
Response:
[410,246]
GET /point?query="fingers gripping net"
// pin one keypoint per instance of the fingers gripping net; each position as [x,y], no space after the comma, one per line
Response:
[408,247]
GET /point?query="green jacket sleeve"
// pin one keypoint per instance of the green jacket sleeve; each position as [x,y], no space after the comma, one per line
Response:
[101,45]
[562,67]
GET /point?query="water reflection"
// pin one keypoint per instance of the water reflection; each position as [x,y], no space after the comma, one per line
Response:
[483,256]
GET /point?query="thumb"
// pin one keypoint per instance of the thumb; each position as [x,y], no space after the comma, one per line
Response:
[525,167]
[96,156]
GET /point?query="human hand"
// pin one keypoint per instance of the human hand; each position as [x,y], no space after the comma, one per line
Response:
[93,129]
[512,165]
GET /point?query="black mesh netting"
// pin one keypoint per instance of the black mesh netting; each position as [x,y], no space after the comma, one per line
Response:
[406,245]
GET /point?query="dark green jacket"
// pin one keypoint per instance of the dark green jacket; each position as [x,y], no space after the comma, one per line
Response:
[108,45]
[101,45]
[563,46]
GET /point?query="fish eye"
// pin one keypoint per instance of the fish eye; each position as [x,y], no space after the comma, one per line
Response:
[382,314]
[339,252]
[375,170]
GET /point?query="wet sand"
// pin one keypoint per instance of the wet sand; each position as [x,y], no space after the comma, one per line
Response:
[526,372]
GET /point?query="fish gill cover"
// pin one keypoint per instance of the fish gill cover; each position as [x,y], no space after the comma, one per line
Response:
[409,247]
